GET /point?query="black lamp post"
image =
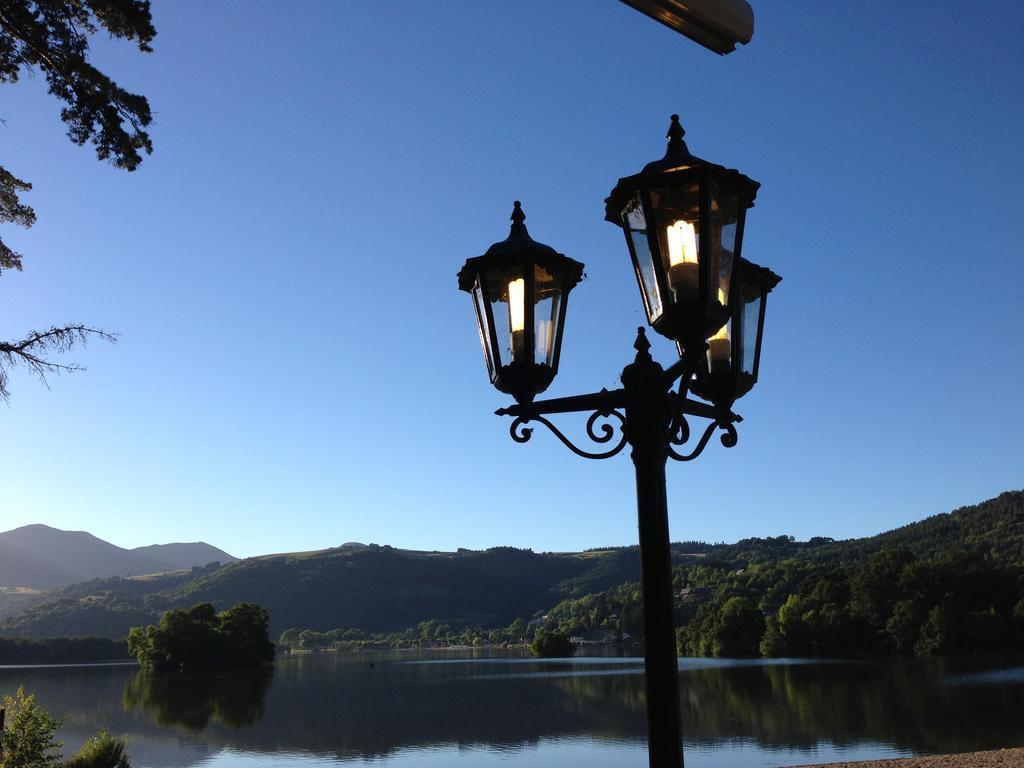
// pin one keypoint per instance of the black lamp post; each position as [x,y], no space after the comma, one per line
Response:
[683,219]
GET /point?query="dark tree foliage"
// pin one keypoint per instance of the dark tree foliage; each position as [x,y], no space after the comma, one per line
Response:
[52,36]
[950,584]
[201,637]
[61,650]
[109,615]
[551,645]
[732,629]
[13,211]
[892,603]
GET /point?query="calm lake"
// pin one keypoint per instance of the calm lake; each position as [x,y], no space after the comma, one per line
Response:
[405,710]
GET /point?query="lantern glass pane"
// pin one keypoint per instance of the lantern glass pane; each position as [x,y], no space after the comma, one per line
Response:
[676,213]
[547,307]
[725,207]
[506,288]
[635,224]
[483,326]
[751,317]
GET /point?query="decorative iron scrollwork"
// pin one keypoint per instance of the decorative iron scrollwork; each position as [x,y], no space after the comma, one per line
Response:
[729,439]
[679,432]
[660,414]
[600,433]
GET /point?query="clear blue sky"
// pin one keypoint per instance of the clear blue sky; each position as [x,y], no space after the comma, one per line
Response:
[297,368]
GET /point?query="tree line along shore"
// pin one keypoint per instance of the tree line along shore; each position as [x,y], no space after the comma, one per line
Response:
[950,584]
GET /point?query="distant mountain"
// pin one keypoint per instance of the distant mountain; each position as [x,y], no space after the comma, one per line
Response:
[379,588]
[183,555]
[42,557]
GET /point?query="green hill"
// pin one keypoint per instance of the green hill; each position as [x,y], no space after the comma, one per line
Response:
[992,528]
[382,589]
[375,587]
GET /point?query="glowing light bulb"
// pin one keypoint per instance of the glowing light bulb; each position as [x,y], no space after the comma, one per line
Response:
[683,270]
[720,345]
[517,317]
[682,243]
[517,304]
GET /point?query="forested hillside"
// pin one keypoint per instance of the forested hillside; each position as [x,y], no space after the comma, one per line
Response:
[993,528]
[376,587]
[952,582]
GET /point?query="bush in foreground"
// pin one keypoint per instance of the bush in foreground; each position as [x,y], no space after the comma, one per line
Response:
[101,751]
[29,740]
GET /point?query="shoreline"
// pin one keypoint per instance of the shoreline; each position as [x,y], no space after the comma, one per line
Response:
[996,758]
[62,664]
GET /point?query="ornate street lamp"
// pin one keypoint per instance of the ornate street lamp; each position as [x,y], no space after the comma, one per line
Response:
[729,368]
[520,291]
[683,219]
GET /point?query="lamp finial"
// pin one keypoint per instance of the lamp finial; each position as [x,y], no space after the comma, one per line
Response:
[675,129]
[676,146]
[642,345]
[518,217]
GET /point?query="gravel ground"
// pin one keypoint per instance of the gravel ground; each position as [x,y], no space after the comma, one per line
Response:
[1000,758]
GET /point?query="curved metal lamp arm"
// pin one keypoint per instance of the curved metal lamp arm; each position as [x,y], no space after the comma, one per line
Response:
[611,404]
[521,433]
[729,439]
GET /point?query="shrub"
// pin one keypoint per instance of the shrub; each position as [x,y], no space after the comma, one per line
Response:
[101,751]
[28,738]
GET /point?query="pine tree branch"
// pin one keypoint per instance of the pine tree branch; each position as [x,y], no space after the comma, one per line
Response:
[34,351]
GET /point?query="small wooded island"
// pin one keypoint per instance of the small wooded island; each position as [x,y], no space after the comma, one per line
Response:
[201,637]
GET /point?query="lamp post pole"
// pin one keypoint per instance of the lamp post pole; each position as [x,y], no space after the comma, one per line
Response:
[648,416]
[652,420]
[683,220]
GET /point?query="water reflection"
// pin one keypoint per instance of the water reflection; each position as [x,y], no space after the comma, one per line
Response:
[192,700]
[345,710]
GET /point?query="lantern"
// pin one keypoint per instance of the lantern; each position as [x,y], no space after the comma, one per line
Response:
[520,291]
[683,220]
[730,365]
